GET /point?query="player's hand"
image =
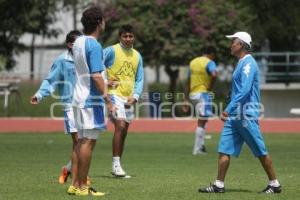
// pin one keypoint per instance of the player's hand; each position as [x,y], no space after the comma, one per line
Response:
[111,109]
[113,83]
[185,107]
[34,100]
[130,101]
[224,116]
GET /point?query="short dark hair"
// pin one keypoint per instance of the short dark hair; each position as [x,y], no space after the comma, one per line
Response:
[209,50]
[91,18]
[126,28]
[72,35]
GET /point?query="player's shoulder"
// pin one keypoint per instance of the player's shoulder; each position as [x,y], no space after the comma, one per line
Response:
[197,59]
[138,54]
[92,43]
[109,49]
[249,59]
[60,59]
[212,63]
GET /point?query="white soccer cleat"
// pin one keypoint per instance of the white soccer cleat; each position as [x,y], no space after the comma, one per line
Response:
[118,171]
[201,151]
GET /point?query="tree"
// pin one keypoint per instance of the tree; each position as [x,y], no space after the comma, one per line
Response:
[19,17]
[171,32]
[277,21]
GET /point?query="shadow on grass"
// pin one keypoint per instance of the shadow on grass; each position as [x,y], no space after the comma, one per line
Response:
[238,190]
[113,177]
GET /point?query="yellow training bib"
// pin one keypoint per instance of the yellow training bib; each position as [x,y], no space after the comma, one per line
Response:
[200,79]
[123,70]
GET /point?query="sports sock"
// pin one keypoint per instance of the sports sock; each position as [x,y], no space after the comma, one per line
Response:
[274,183]
[199,139]
[219,184]
[116,161]
[69,166]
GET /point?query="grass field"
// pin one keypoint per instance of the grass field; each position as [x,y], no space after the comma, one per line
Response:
[161,165]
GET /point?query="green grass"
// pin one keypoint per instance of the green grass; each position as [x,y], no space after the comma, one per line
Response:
[161,165]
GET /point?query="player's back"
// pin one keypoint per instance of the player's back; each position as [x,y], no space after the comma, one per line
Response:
[85,92]
[200,79]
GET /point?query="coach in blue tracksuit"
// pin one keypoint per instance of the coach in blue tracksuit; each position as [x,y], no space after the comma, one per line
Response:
[62,78]
[241,118]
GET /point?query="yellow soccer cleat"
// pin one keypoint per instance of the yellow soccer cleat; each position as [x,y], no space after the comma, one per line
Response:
[63,176]
[88,191]
[72,190]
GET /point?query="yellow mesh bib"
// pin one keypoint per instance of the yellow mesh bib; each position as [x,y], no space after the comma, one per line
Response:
[124,70]
[200,79]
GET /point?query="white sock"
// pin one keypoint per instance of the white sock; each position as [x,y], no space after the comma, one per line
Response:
[116,161]
[274,183]
[199,139]
[219,184]
[69,166]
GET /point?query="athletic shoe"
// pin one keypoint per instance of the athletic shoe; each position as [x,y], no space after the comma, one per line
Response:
[71,190]
[118,171]
[271,189]
[202,151]
[63,175]
[88,191]
[212,189]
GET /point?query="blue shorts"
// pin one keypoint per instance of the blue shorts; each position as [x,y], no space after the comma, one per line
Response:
[202,103]
[236,132]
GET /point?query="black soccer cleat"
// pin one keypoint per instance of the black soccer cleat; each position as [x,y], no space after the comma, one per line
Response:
[271,190]
[203,149]
[212,189]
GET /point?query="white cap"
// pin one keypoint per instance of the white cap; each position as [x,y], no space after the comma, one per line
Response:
[244,36]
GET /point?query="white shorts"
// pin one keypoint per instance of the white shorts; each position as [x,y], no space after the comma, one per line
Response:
[202,103]
[89,134]
[122,113]
[89,121]
[69,122]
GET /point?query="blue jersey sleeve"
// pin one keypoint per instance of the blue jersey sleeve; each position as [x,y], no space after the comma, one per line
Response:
[211,67]
[247,74]
[94,55]
[139,79]
[50,83]
[109,56]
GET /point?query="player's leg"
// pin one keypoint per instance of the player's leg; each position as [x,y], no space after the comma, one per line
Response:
[230,144]
[86,148]
[203,111]
[199,144]
[75,159]
[218,185]
[118,138]
[121,125]
[90,121]
[85,154]
[273,185]
[70,129]
[124,135]
[252,136]
[118,146]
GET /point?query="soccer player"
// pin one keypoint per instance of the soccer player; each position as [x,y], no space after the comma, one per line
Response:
[125,83]
[89,95]
[201,78]
[62,78]
[241,117]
